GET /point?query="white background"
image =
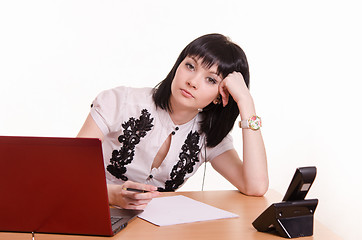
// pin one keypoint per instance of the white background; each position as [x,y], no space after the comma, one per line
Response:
[305,64]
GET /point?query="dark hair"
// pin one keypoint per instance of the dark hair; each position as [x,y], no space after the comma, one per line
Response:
[229,57]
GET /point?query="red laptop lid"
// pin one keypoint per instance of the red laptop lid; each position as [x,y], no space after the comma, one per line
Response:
[53,185]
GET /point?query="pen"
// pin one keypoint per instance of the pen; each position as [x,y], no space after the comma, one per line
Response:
[135,190]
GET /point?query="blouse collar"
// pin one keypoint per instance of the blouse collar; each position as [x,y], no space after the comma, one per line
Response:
[167,122]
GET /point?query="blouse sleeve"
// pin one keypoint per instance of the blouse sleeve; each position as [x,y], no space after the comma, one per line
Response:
[225,145]
[106,109]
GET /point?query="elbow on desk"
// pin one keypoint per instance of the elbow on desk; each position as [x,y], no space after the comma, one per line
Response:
[257,190]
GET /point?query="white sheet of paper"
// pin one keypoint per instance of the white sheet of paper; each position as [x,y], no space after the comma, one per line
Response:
[165,211]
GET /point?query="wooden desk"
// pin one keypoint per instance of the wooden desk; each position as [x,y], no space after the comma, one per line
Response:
[248,208]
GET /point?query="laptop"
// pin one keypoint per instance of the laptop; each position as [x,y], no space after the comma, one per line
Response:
[56,185]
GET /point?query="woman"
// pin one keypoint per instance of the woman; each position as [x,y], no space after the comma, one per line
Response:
[155,139]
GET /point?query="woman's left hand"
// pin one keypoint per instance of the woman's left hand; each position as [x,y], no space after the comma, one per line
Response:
[235,86]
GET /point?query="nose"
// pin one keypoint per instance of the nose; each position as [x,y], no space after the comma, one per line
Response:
[192,82]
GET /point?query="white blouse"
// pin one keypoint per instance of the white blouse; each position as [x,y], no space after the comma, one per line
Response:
[134,130]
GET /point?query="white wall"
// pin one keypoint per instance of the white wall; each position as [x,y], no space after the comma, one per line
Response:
[56,56]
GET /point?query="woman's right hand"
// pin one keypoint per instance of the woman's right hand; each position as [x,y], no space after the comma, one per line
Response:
[118,196]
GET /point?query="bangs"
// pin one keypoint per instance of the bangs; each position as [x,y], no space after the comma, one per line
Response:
[207,61]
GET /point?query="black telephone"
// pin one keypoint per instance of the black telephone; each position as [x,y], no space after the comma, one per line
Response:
[300,184]
[293,217]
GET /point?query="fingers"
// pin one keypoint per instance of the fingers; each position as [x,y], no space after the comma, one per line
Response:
[233,85]
[131,203]
[139,186]
[136,200]
[140,196]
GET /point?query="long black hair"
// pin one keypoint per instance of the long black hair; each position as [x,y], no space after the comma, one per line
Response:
[229,57]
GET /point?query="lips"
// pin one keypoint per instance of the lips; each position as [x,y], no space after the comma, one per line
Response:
[186,93]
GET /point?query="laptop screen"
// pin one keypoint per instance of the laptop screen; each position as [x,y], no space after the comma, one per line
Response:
[53,185]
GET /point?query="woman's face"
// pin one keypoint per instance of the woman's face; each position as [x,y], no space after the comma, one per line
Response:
[194,85]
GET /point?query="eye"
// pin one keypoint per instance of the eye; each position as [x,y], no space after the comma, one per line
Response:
[190,66]
[211,80]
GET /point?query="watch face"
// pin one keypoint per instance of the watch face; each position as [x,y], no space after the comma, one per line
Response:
[255,122]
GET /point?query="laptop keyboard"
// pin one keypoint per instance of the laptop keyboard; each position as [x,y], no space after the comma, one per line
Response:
[115,220]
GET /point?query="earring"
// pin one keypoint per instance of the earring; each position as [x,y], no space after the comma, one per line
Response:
[200,109]
[217,100]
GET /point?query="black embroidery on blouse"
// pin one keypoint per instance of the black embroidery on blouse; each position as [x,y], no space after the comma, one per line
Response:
[187,159]
[133,131]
